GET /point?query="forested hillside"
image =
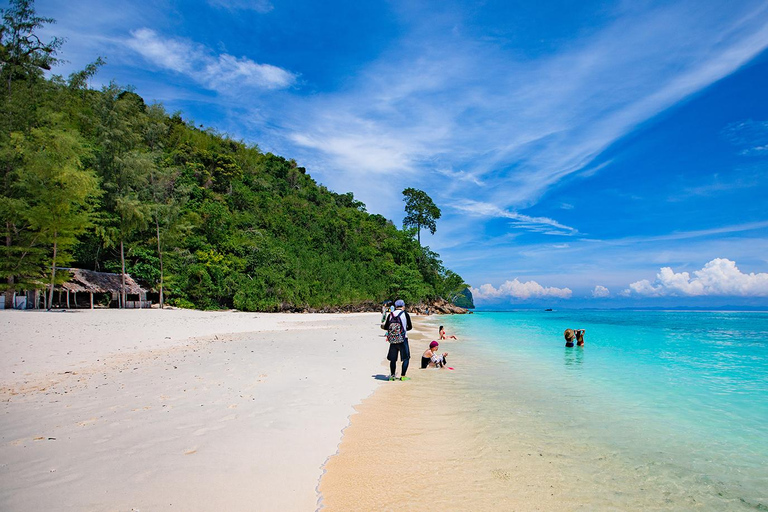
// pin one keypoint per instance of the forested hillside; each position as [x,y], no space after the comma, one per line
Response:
[99,179]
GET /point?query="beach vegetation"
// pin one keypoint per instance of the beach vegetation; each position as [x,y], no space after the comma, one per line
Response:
[201,219]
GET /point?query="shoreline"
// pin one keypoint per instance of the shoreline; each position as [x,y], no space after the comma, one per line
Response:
[109,410]
[522,424]
[425,444]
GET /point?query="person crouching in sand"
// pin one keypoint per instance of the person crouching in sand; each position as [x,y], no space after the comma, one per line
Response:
[431,358]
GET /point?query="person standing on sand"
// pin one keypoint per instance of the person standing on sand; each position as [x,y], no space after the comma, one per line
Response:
[399,315]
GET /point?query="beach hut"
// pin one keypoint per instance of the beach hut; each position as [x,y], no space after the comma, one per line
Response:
[98,284]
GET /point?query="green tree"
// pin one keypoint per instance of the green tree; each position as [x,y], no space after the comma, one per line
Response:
[59,192]
[420,211]
[22,53]
[124,166]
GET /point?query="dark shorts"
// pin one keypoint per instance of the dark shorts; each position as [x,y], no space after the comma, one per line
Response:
[399,348]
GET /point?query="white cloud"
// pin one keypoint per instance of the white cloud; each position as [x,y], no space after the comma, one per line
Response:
[461,176]
[519,290]
[217,72]
[543,225]
[262,6]
[601,292]
[519,126]
[751,136]
[684,235]
[719,277]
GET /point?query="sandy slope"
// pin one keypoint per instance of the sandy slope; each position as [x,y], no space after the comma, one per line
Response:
[176,410]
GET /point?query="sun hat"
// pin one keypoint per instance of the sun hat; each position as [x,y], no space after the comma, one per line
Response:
[400,303]
[569,334]
[433,344]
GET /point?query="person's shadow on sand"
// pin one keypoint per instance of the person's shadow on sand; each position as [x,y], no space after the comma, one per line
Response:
[380,376]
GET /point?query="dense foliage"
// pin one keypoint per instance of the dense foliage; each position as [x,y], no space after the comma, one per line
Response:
[100,180]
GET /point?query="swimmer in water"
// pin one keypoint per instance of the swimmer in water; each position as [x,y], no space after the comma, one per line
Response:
[569,336]
[444,336]
[577,334]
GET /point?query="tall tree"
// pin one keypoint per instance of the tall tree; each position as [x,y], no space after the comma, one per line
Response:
[22,53]
[60,192]
[421,211]
[23,57]
[124,166]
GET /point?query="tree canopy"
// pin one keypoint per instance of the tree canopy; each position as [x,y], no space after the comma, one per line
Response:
[421,211]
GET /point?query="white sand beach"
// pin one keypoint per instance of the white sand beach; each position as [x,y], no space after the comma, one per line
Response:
[177,409]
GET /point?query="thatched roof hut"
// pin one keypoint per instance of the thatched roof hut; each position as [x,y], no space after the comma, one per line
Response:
[92,282]
[99,282]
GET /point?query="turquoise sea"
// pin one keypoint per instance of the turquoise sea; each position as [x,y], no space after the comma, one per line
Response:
[674,404]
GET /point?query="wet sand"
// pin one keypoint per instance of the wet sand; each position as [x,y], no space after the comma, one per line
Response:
[421,445]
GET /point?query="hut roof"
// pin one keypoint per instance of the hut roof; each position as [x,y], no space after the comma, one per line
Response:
[99,282]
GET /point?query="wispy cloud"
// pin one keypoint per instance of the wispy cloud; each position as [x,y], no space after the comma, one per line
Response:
[460,176]
[719,277]
[543,225]
[751,137]
[222,72]
[262,6]
[517,126]
[715,186]
[684,235]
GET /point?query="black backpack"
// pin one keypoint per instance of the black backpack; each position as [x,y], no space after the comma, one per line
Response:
[395,331]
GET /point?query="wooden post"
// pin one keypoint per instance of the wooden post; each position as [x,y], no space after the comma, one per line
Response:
[67,299]
[91,299]
[75,298]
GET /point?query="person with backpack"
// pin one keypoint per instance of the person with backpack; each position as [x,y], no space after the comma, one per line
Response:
[397,325]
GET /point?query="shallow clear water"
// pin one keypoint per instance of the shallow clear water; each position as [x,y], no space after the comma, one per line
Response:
[677,400]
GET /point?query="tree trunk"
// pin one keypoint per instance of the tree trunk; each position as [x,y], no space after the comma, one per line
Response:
[160,255]
[53,275]
[122,275]
[10,292]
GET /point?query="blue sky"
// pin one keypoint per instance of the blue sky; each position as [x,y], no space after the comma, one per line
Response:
[583,153]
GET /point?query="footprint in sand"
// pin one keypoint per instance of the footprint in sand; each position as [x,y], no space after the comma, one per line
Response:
[500,474]
[87,422]
[202,431]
